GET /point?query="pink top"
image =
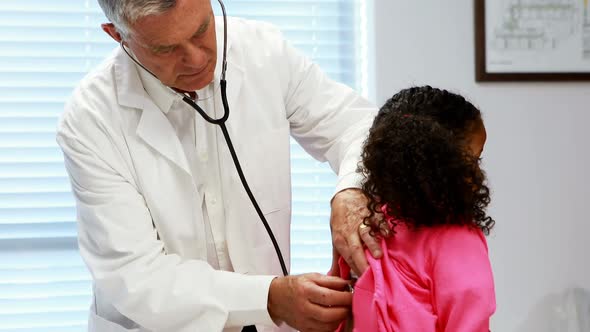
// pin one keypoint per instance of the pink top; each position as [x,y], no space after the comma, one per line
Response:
[430,279]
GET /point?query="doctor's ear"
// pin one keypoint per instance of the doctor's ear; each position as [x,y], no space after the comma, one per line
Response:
[112,31]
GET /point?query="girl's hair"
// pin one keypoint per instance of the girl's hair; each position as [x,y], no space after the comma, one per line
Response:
[416,162]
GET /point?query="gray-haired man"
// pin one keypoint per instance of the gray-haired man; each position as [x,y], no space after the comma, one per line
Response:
[165,228]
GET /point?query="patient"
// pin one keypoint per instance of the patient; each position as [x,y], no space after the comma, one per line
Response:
[422,167]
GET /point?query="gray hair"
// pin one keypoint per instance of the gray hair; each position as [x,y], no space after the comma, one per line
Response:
[122,13]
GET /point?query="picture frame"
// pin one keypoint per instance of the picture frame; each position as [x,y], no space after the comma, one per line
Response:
[532,40]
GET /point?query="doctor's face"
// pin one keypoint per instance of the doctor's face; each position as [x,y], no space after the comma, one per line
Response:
[178,46]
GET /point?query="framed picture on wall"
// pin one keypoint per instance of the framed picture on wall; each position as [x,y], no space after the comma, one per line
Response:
[532,40]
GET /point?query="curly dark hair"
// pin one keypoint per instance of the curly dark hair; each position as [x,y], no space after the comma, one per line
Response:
[416,162]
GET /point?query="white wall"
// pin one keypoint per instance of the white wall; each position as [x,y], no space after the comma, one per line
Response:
[537,158]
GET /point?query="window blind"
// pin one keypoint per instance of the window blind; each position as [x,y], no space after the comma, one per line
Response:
[46,47]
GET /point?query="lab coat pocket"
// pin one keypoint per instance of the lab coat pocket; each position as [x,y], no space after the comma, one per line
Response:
[99,324]
[267,168]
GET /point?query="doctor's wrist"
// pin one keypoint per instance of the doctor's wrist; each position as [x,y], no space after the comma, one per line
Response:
[343,193]
[274,293]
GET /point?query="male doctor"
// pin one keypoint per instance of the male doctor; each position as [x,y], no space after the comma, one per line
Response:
[165,227]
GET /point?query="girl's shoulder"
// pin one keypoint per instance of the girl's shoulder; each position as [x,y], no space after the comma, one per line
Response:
[456,231]
[459,233]
[439,242]
[454,245]
[436,234]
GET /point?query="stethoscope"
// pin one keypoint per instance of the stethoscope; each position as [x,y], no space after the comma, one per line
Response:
[221,123]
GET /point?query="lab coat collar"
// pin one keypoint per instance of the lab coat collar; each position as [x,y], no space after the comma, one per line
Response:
[163,96]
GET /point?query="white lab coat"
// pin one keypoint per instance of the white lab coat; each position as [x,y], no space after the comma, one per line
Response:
[128,169]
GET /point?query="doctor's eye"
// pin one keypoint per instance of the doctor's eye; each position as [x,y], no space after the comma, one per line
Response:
[165,50]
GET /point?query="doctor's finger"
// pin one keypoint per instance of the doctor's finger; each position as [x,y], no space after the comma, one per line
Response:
[341,245]
[342,300]
[335,268]
[331,282]
[370,241]
[357,259]
[328,317]
[330,298]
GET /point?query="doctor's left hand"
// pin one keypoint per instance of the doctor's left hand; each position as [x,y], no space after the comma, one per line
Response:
[309,302]
[349,209]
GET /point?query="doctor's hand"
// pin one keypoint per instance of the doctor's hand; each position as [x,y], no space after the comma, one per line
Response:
[349,209]
[309,302]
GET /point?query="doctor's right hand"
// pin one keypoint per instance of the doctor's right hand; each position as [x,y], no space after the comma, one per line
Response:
[309,302]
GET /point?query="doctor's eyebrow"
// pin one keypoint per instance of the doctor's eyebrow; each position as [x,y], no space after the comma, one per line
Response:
[168,48]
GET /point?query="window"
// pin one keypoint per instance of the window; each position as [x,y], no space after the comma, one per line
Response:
[46,47]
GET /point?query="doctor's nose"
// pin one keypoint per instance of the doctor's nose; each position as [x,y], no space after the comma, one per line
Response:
[195,56]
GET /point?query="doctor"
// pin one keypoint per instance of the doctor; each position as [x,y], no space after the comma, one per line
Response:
[165,227]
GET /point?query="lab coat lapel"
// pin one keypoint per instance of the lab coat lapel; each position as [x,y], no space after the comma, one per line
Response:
[235,74]
[153,128]
[235,71]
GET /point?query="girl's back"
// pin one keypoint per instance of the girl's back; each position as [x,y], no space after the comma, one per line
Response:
[429,279]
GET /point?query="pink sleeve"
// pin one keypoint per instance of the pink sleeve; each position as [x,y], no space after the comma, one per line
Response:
[464,297]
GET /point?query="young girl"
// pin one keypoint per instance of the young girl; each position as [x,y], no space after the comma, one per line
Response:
[421,162]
